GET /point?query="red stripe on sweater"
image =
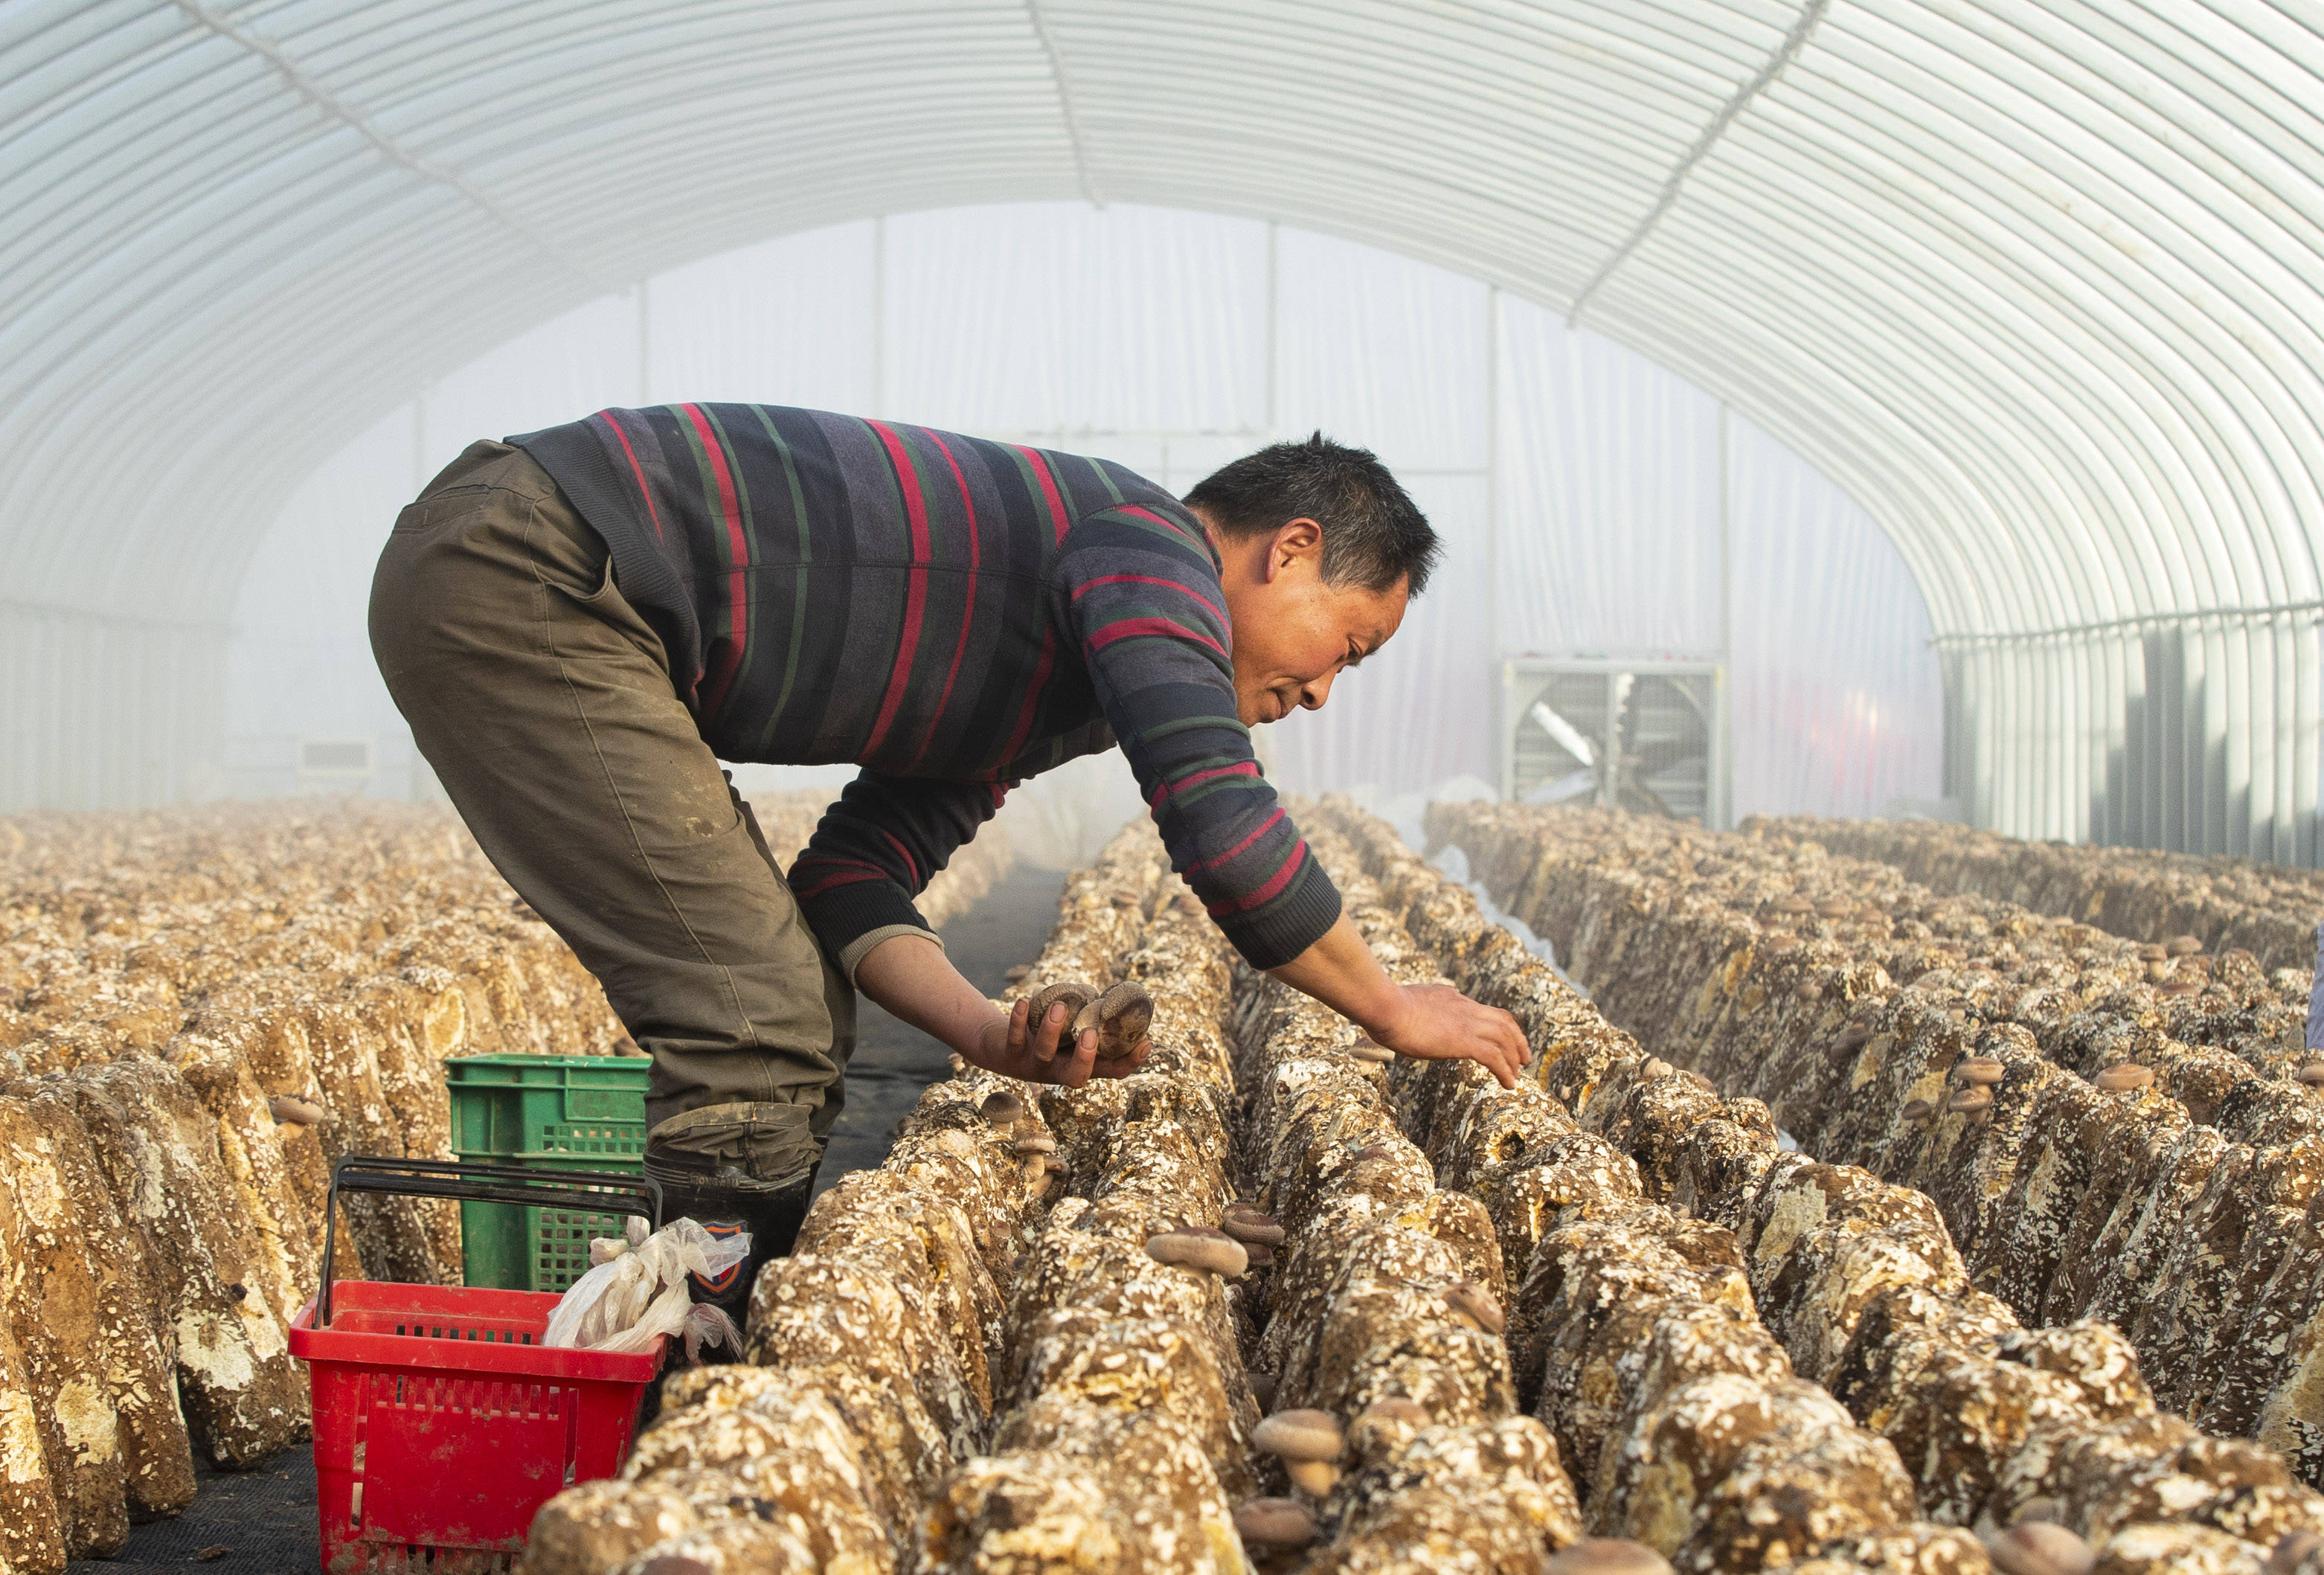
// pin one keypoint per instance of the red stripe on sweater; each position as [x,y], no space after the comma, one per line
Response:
[916,584]
[636,469]
[967,613]
[830,881]
[1048,489]
[1132,627]
[1281,878]
[738,577]
[1265,826]
[1178,585]
[911,865]
[1239,768]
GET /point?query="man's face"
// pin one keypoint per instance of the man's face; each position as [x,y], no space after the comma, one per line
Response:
[1294,633]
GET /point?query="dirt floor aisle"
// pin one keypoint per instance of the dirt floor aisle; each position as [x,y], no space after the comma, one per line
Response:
[263,1522]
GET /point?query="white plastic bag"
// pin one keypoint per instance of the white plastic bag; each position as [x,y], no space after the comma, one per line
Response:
[606,1249]
[638,1292]
[709,1325]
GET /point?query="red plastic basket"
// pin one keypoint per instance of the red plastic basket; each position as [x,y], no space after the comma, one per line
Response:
[442,1423]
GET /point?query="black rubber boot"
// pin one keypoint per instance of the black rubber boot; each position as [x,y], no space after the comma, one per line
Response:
[723,1202]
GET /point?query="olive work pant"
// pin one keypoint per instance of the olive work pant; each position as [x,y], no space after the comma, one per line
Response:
[545,706]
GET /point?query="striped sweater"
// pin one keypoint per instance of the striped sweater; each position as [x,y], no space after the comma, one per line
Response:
[952,615]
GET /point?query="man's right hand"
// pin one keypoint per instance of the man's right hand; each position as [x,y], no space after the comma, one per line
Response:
[1438,1023]
[1433,1022]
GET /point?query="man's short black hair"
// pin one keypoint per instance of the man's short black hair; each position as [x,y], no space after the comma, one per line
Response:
[1373,533]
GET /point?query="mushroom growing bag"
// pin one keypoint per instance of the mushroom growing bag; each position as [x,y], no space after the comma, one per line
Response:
[638,1292]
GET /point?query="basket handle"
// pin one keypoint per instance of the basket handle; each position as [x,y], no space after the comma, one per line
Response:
[590,1192]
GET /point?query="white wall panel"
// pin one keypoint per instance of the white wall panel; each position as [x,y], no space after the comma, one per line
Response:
[1836,699]
[581,361]
[1606,480]
[1381,351]
[1611,507]
[789,322]
[1061,317]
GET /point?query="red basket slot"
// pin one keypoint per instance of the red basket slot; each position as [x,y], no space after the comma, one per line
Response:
[442,1423]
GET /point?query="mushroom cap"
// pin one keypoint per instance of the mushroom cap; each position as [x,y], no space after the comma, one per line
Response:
[2182,946]
[1036,1143]
[1970,1100]
[1607,1556]
[1248,1224]
[1001,1107]
[1398,1408]
[1275,1523]
[2041,1547]
[1211,1253]
[1917,1111]
[1374,1151]
[1300,1435]
[2038,1509]
[297,1111]
[1121,1017]
[1854,1036]
[1366,1049]
[2151,953]
[1477,1304]
[2125,1076]
[1980,1070]
[1257,1254]
[1656,1067]
[2311,1074]
[675,1564]
[1070,993]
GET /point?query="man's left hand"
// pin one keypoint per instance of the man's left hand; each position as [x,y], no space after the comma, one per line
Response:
[1046,1052]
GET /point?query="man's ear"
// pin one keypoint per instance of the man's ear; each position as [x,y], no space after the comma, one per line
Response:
[1296,539]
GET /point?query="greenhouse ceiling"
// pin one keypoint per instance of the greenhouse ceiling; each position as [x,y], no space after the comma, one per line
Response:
[2039,282]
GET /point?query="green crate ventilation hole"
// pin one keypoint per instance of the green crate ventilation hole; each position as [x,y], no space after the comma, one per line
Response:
[551,1113]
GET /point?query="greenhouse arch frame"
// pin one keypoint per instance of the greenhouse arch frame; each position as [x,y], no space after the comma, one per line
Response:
[2039,283]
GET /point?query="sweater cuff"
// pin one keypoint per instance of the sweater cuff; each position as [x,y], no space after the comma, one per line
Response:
[1302,918]
[843,915]
[852,956]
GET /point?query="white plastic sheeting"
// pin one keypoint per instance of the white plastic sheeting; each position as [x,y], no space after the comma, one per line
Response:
[1145,335]
[2036,281]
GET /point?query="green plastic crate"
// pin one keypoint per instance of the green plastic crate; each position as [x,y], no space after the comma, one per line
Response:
[552,1113]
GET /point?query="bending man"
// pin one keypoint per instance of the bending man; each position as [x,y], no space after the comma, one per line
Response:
[580,622]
